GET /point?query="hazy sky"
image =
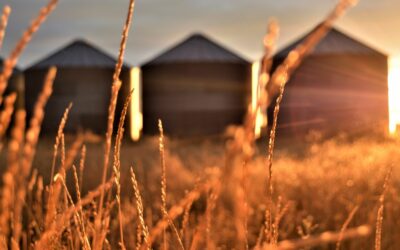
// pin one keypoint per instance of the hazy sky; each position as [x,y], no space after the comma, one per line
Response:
[239,24]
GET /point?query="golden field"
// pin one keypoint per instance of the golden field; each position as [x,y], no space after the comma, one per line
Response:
[228,192]
[320,182]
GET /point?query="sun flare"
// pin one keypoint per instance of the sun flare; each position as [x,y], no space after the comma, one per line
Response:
[255,71]
[136,121]
[394,94]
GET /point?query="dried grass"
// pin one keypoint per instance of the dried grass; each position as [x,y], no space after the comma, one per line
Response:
[11,61]
[116,85]
[345,225]
[228,207]
[379,219]
[142,230]
[3,23]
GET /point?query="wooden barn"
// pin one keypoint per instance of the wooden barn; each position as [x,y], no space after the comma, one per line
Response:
[84,77]
[341,86]
[196,87]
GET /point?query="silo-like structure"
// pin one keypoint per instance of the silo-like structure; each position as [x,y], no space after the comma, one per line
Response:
[341,86]
[84,77]
[196,87]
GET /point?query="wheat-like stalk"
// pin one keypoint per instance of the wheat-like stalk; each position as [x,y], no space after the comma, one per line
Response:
[185,224]
[212,197]
[117,165]
[11,61]
[245,204]
[143,231]
[282,74]
[9,178]
[6,114]
[379,219]
[321,239]
[58,224]
[244,136]
[76,216]
[174,212]
[163,178]
[241,209]
[32,136]
[345,225]
[116,85]
[60,131]
[3,23]
[56,188]
[84,237]
[164,212]
[82,166]
[74,151]
[292,61]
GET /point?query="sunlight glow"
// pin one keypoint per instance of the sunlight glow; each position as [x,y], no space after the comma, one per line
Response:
[394,95]
[136,117]
[255,70]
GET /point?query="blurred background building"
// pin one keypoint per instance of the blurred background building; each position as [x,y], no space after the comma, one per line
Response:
[84,77]
[341,86]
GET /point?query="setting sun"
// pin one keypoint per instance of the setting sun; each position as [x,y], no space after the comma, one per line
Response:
[394,94]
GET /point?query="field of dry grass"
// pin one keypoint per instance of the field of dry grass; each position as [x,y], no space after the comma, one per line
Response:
[231,192]
[320,183]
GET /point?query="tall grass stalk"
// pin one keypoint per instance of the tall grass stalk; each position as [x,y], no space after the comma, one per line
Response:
[32,136]
[164,212]
[11,61]
[174,212]
[282,74]
[10,178]
[84,237]
[6,114]
[82,166]
[142,230]
[117,165]
[116,85]
[3,23]
[60,131]
[379,219]
[345,225]
[163,179]
[321,239]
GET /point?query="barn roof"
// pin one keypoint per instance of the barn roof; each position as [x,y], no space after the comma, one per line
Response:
[78,53]
[335,42]
[196,48]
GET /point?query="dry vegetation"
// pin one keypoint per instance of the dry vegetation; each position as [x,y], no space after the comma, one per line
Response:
[223,193]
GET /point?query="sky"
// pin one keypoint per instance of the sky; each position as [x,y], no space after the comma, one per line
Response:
[158,24]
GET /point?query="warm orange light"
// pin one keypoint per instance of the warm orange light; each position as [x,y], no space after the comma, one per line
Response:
[255,71]
[136,117]
[394,94]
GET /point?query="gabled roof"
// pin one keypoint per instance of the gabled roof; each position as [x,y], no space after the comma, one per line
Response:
[78,53]
[335,42]
[196,48]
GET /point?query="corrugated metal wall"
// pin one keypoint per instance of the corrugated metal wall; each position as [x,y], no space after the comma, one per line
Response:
[335,93]
[194,98]
[87,88]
